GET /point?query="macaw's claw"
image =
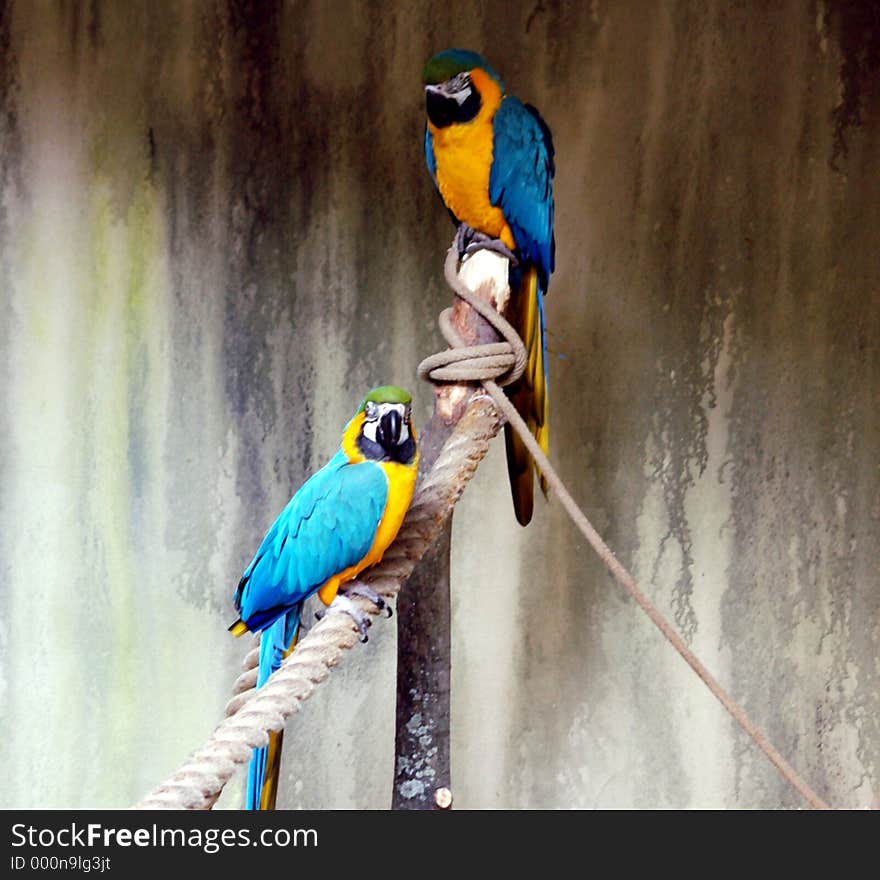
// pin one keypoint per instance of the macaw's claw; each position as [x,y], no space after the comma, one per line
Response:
[478,241]
[358,588]
[463,237]
[343,605]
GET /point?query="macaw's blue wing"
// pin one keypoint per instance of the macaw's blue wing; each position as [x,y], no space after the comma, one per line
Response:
[328,526]
[429,155]
[276,642]
[520,182]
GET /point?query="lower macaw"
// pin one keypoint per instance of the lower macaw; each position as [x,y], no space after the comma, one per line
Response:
[491,158]
[339,522]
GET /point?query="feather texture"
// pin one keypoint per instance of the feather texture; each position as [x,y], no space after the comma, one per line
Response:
[327,527]
[520,182]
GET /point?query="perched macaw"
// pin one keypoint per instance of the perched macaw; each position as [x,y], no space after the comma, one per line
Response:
[339,522]
[491,158]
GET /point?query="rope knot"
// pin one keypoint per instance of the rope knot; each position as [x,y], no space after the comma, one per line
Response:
[502,362]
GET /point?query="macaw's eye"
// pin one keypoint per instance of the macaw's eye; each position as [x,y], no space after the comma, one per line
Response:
[371,411]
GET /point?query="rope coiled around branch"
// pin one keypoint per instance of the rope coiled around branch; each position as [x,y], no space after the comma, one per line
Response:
[501,362]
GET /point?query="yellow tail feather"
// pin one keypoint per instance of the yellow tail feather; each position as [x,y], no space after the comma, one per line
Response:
[528,395]
[269,790]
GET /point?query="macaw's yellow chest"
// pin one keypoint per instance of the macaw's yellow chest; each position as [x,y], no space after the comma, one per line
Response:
[464,160]
[401,483]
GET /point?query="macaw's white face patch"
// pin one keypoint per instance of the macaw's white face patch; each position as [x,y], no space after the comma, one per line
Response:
[459,87]
[463,95]
[373,413]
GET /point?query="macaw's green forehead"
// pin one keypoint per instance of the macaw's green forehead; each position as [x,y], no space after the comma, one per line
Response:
[451,62]
[387,394]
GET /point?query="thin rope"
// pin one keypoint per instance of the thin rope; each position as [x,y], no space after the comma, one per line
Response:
[436,368]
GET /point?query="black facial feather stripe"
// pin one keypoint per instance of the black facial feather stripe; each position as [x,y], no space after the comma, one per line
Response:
[443,111]
[376,452]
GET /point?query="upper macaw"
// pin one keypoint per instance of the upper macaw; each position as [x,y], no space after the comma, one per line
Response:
[491,158]
[339,522]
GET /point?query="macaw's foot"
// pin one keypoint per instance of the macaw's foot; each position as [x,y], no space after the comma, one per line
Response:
[343,604]
[463,238]
[469,241]
[359,588]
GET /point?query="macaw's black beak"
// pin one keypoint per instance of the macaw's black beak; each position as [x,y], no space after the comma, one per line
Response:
[445,109]
[441,108]
[388,432]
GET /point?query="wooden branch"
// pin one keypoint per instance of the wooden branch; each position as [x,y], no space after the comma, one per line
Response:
[424,641]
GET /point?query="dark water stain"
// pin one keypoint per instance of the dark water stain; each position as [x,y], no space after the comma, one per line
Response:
[83,17]
[567,63]
[610,406]
[688,306]
[798,619]
[153,152]
[856,24]
[259,183]
[241,147]
[11,187]
[184,169]
[852,387]
[11,177]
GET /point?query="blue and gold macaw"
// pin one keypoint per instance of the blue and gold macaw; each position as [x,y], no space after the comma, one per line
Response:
[491,158]
[339,522]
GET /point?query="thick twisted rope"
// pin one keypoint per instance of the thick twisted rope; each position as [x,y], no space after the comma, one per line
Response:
[443,367]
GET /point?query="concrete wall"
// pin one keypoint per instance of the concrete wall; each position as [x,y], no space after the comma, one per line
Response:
[216,232]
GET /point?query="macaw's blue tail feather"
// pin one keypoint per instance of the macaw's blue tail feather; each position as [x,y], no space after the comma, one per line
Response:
[263,774]
[256,775]
[529,393]
[276,643]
